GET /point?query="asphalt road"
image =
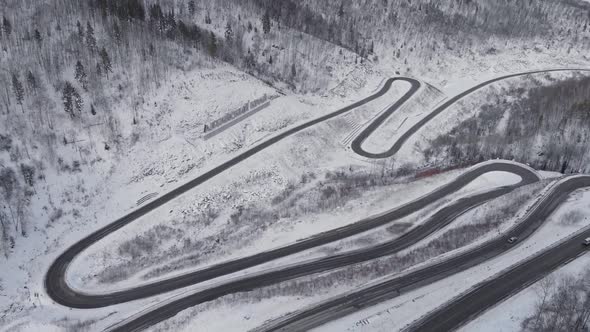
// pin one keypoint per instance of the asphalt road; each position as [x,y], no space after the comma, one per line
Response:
[55,283]
[457,313]
[358,141]
[60,291]
[438,220]
[488,293]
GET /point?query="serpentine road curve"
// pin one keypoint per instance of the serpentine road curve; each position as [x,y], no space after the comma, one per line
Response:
[60,292]
[449,317]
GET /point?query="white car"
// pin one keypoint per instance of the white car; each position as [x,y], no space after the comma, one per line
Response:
[512,239]
[587,242]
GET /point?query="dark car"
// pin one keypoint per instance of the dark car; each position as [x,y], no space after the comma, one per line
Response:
[512,239]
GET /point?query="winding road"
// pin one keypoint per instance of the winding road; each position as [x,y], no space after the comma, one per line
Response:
[62,293]
[324,312]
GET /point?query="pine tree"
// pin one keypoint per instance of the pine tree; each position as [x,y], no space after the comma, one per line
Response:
[38,37]
[212,44]
[90,39]
[135,10]
[195,35]
[191,7]
[78,102]
[208,18]
[31,81]
[117,33]
[98,70]
[293,71]
[156,16]
[19,91]
[106,62]
[266,22]
[171,24]
[341,9]
[270,59]
[229,34]
[80,30]
[183,29]
[92,110]
[80,74]
[28,173]
[67,98]
[7,26]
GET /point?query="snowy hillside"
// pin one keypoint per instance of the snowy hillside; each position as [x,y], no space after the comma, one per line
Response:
[105,107]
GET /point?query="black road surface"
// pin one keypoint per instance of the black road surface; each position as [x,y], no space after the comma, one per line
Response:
[440,219]
[358,141]
[488,293]
[60,291]
[455,314]
[55,282]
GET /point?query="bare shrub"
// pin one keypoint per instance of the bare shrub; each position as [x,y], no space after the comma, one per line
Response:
[562,306]
[449,240]
[572,217]
[5,143]
[552,117]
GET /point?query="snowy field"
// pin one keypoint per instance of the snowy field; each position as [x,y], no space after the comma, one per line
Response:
[166,149]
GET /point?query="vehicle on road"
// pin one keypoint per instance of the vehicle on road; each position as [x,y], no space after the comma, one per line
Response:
[587,241]
[512,239]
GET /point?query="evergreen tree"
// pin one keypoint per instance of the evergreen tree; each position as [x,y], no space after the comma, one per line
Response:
[80,74]
[212,44]
[90,39]
[106,62]
[134,10]
[183,29]
[31,81]
[92,110]
[341,9]
[249,60]
[19,91]
[67,95]
[7,26]
[156,16]
[170,24]
[72,99]
[270,59]
[229,34]
[192,7]
[208,18]
[266,22]
[78,102]
[98,70]
[80,30]
[195,35]
[38,37]
[117,33]
[28,173]
[293,71]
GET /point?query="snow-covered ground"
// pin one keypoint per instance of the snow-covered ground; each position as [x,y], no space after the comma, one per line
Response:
[167,150]
[397,313]
[469,106]
[287,303]
[508,315]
